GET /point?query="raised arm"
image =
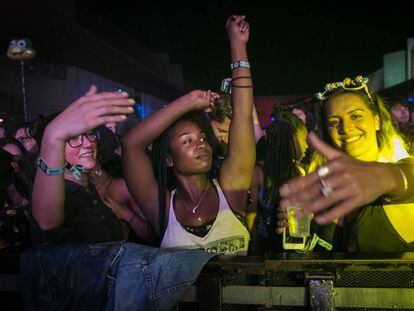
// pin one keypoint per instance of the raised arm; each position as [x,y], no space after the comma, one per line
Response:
[258,132]
[237,169]
[86,113]
[138,171]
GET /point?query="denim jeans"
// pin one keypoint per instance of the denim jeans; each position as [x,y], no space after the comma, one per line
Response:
[108,276]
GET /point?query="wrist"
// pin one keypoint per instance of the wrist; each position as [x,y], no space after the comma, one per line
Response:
[398,183]
[238,53]
[53,135]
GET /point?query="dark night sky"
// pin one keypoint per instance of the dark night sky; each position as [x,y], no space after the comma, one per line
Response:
[295,46]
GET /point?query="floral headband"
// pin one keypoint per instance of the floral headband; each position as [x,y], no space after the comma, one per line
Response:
[356,84]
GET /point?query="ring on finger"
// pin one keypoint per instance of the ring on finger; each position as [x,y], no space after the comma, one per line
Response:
[323,171]
[326,190]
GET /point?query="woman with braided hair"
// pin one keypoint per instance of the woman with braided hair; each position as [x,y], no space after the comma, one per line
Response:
[278,157]
[185,206]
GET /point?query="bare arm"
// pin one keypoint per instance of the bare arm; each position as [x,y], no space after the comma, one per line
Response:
[84,114]
[258,132]
[138,171]
[48,195]
[237,169]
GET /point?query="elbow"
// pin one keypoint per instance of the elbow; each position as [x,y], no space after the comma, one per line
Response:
[47,223]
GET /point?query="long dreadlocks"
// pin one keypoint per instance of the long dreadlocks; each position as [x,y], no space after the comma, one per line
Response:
[279,154]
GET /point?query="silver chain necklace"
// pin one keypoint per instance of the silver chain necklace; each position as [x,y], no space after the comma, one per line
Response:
[199,202]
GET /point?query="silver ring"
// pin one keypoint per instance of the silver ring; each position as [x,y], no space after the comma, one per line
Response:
[326,190]
[323,171]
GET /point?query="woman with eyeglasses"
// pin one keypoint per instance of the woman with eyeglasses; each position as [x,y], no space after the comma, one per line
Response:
[65,206]
[363,177]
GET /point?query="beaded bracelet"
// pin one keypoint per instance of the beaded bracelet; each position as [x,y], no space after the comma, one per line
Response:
[405,180]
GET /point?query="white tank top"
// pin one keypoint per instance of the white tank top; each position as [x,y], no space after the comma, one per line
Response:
[227,235]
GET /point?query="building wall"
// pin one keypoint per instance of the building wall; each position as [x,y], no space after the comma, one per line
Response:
[49,89]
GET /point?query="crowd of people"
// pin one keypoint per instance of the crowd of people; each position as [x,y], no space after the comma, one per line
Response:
[201,173]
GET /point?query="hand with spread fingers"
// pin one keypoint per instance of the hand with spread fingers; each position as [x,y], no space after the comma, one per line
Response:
[339,186]
[89,111]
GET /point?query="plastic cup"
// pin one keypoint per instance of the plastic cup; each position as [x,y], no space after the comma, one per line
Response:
[299,226]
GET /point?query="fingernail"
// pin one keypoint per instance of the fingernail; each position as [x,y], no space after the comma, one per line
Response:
[130,109]
[124,94]
[130,100]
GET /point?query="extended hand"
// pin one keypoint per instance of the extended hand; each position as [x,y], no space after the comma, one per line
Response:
[353,183]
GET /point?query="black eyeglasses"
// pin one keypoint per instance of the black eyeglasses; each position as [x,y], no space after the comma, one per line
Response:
[77,141]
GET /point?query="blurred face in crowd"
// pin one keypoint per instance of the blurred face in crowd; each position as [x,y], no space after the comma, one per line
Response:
[2,132]
[23,136]
[111,126]
[189,151]
[82,150]
[221,130]
[12,149]
[301,142]
[401,113]
[300,114]
[352,126]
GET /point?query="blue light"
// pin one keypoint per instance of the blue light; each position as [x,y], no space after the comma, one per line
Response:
[272,119]
[119,90]
[410,99]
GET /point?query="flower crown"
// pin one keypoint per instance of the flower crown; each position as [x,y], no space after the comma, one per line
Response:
[358,83]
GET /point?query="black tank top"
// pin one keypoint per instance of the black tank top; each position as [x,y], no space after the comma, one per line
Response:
[371,231]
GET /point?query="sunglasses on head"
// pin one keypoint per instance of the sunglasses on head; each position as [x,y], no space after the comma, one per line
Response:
[359,83]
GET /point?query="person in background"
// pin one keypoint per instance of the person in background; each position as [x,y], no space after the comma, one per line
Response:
[109,182]
[24,136]
[399,109]
[3,133]
[14,226]
[360,145]
[20,189]
[278,160]
[66,208]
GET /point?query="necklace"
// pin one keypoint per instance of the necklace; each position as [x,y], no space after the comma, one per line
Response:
[199,202]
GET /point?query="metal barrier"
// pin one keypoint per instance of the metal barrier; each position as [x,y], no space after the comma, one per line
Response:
[293,281]
[310,281]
